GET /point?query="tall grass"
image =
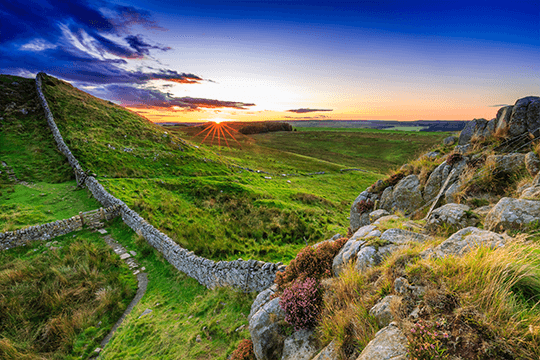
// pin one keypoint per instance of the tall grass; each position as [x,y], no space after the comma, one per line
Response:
[50,295]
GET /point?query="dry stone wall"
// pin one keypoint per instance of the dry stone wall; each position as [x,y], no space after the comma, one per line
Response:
[251,275]
[11,239]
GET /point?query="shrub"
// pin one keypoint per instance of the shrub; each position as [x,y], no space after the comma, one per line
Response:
[244,351]
[453,158]
[302,303]
[428,341]
[312,262]
[364,206]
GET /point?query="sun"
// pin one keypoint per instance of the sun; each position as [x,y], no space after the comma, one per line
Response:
[218,127]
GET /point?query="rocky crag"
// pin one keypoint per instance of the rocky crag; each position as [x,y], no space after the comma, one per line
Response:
[481,189]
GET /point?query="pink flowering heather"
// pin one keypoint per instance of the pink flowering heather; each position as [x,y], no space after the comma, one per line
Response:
[302,303]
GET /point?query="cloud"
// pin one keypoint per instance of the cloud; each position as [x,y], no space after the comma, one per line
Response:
[78,41]
[499,105]
[301,111]
[317,117]
[143,98]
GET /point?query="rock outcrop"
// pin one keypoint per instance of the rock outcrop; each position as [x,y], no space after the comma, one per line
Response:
[457,216]
[464,241]
[360,209]
[301,345]
[266,331]
[405,196]
[512,213]
[389,343]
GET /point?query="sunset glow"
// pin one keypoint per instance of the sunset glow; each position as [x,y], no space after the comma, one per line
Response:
[283,60]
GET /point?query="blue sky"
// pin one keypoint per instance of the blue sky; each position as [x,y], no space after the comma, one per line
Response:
[255,60]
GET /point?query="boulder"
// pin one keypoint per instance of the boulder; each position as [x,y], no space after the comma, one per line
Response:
[385,218]
[451,140]
[531,193]
[403,287]
[489,130]
[377,214]
[483,210]
[262,298]
[386,198]
[382,310]
[330,352]
[360,218]
[507,163]
[523,120]
[451,195]
[405,196]
[503,118]
[532,163]
[436,180]
[463,149]
[473,127]
[369,247]
[464,240]
[457,216]
[512,213]
[388,344]
[266,331]
[301,345]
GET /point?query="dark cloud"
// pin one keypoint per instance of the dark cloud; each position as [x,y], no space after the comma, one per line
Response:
[318,117]
[74,40]
[152,98]
[301,111]
[499,105]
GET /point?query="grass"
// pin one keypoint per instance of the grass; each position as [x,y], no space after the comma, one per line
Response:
[244,215]
[41,203]
[26,143]
[328,149]
[60,298]
[181,308]
[115,142]
[485,302]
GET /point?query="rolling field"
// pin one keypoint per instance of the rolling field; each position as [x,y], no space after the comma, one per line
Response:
[199,194]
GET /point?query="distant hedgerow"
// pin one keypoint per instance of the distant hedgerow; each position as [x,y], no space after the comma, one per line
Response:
[244,351]
[302,303]
[311,262]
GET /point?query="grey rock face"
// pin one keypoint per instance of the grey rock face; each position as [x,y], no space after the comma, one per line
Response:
[503,117]
[357,218]
[330,352]
[532,163]
[262,299]
[455,215]
[473,127]
[403,287]
[508,162]
[521,118]
[302,345]
[489,130]
[451,195]
[531,193]
[377,214]
[512,214]
[382,310]
[464,240]
[451,140]
[266,332]
[405,196]
[389,344]
[358,247]
[436,180]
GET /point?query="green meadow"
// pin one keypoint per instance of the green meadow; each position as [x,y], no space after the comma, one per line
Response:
[195,192]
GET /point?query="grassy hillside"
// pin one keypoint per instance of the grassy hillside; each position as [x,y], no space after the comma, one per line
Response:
[114,142]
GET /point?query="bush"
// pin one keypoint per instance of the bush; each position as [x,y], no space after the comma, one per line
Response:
[302,303]
[453,159]
[312,262]
[244,351]
[364,206]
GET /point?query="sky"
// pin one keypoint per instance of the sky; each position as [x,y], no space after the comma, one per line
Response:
[188,61]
